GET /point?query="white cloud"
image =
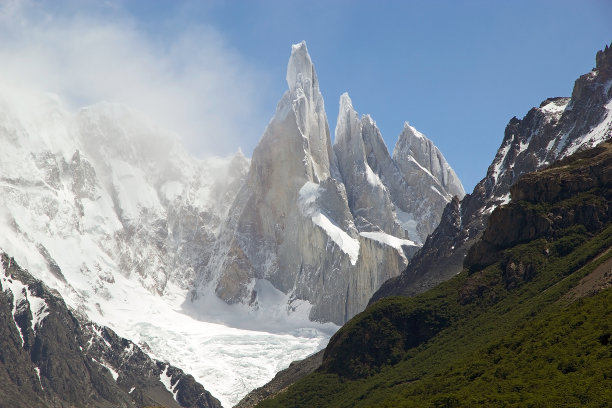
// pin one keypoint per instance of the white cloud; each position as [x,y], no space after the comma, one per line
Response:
[191,83]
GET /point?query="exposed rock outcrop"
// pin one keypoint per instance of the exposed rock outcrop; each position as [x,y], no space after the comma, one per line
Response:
[575,192]
[431,182]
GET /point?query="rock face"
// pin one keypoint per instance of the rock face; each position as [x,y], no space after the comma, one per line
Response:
[51,357]
[428,177]
[585,177]
[368,198]
[326,224]
[554,130]
[403,195]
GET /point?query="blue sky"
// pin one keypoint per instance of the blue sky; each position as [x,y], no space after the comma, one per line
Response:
[456,70]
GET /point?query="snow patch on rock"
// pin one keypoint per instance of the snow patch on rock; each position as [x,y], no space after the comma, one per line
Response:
[166,379]
[308,195]
[390,240]
[23,297]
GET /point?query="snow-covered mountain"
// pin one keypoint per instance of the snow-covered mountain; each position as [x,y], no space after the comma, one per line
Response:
[129,228]
[102,192]
[326,225]
[403,195]
[552,131]
[113,214]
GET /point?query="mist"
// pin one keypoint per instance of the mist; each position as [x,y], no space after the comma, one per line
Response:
[190,82]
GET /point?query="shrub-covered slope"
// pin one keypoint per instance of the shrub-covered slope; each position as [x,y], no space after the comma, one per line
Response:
[527,323]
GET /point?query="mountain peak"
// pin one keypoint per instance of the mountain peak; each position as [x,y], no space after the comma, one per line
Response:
[300,69]
[348,126]
[411,132]
[299,46]
[346,103]
[413,145]
[603,62]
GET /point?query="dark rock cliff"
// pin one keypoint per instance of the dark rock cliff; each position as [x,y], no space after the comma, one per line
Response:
[554,130]
[51,357]
[573,195]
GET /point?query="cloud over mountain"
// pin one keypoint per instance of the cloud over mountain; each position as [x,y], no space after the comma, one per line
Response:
[190,81]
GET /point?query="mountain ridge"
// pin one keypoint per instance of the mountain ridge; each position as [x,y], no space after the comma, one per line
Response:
[459,223]
[557,128]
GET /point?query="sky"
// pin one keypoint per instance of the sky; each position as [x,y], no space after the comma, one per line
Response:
[213,71]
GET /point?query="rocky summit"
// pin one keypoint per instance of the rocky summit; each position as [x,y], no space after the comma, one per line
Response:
[326,224]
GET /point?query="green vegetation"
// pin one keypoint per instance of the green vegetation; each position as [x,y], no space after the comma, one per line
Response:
[499,336]
[527,349]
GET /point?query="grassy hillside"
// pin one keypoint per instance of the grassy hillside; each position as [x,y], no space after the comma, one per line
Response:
[528,323]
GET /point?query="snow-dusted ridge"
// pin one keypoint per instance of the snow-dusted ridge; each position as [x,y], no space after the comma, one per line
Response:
[559,127]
